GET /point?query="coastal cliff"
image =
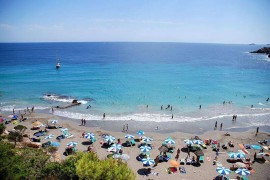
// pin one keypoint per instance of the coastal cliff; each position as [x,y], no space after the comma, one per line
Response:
[265,50]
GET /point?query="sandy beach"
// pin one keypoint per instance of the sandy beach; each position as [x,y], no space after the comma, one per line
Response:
[206,170]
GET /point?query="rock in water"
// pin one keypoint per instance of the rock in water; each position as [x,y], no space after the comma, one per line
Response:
[265,50]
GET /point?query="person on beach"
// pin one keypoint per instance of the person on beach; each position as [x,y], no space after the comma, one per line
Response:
[267,99]
[32,109]
[127,127]
[13,111]
[147,106]
[172,116]
[200,107]
[156,161]
[104,115]
[221,126]
[27,109]
[216,125]
[161,107]
[257,131]
[251,106]
[124,129]
[255,156]
[82,122]
[52,110]
[171,108]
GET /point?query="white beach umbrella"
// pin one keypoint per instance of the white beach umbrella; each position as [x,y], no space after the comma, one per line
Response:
[72,144]
[54,121]
[109,139]
[197,142]
[148,161]
[145,148]
[242,172]
[64,129]
[223,170]
[89,135]
[240,155]
[147,139]
[129,136]
[169,141]
[115,147]
[187,141]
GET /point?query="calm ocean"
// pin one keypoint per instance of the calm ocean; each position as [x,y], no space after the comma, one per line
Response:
[121,79]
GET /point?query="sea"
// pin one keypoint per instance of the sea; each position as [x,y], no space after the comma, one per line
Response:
[138,81]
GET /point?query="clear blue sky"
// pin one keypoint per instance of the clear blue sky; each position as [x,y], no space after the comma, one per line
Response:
[209,21]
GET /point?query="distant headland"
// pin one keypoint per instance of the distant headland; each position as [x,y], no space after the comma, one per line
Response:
[265,50]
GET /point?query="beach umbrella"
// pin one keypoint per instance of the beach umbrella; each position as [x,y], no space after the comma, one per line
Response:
[169,141]
[240,165]
[148,161]
[37,123]
[256,147]
[89,135]
[72,144]
[174,163]
[64,129]
[14,117]
[109,139]
[140,132]
[197,142]
[187,141]
[54,121]
[145,148]
[242,171]
[163,149]
[223,170]
[147,139]
[49,136]
[232,155]
[240,155]
[128,136]
[115,147]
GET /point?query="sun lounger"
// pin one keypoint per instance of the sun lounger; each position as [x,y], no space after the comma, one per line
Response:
[182,161]
[67,134]
[133,142]
[201,159]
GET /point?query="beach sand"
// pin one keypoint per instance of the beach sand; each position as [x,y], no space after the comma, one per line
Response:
[206,171]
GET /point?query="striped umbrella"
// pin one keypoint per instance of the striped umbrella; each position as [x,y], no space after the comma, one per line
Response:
[89,135]
[240,155]
[140,132]
[197,142]
[232,155]
[115,147]
[148,161]
[109,138]
[223,170]
[49,136]
[147,139]
[242,172]
[145,148]
[169,141]
[187,141]
[64,129]
[72,144]
[128,136]
[53,121]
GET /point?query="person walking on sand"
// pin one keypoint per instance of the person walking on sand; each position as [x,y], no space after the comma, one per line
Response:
[13,111]
[216,125]
[127,127]
[124,128]
[82,122]
[52,110]
[257,131]
[221,126]
[32,110]
[255,156]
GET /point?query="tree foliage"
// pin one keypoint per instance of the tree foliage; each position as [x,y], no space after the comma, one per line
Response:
[2,128]
[15,136]
[20,128]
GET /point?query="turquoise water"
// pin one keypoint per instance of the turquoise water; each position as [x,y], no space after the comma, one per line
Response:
[121,79]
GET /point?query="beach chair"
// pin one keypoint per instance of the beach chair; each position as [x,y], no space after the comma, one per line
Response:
[94,140]
[133,142]
[182,161]
[67,134]
[201,159]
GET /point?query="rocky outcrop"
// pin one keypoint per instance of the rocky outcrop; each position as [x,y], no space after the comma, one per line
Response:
[265,50]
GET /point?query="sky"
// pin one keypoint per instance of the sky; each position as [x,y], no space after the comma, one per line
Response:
[199,21]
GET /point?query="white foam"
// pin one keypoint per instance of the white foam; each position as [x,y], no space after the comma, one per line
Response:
[62,99]
[11,107]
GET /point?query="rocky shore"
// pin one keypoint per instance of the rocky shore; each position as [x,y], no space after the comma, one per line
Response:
[265,50]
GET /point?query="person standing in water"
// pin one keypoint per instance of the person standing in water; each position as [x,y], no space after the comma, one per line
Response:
[127,127]
[161,108]
[172,116]
[216,125]
[200,107]
[221,126]
[104,115]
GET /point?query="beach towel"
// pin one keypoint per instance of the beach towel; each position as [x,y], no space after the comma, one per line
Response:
[241,146]
[243,151]
[182,170]
[265,147]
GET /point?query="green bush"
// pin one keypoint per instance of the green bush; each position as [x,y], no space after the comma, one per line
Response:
[2,128]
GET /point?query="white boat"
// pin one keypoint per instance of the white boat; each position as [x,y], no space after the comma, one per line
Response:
[58,65]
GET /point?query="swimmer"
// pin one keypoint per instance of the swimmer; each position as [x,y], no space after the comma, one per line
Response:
[89,106]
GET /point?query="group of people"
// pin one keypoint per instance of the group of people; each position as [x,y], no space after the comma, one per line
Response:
[83,122]
[221,125]
[234,117]
[125,128]
[25,110]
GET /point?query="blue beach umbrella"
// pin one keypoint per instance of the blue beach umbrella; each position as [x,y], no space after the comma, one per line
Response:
[140,132]
[187,141]
[242,172]
[145,148]
[128,136]
[55,144]
[240,155]
[197,142]
[223,170]
[147,139]
[109,139]
[169,141]
[72,144]
[256,147]
[14,117]
[232,155]
[115,147]
[89,135]
[148,161]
